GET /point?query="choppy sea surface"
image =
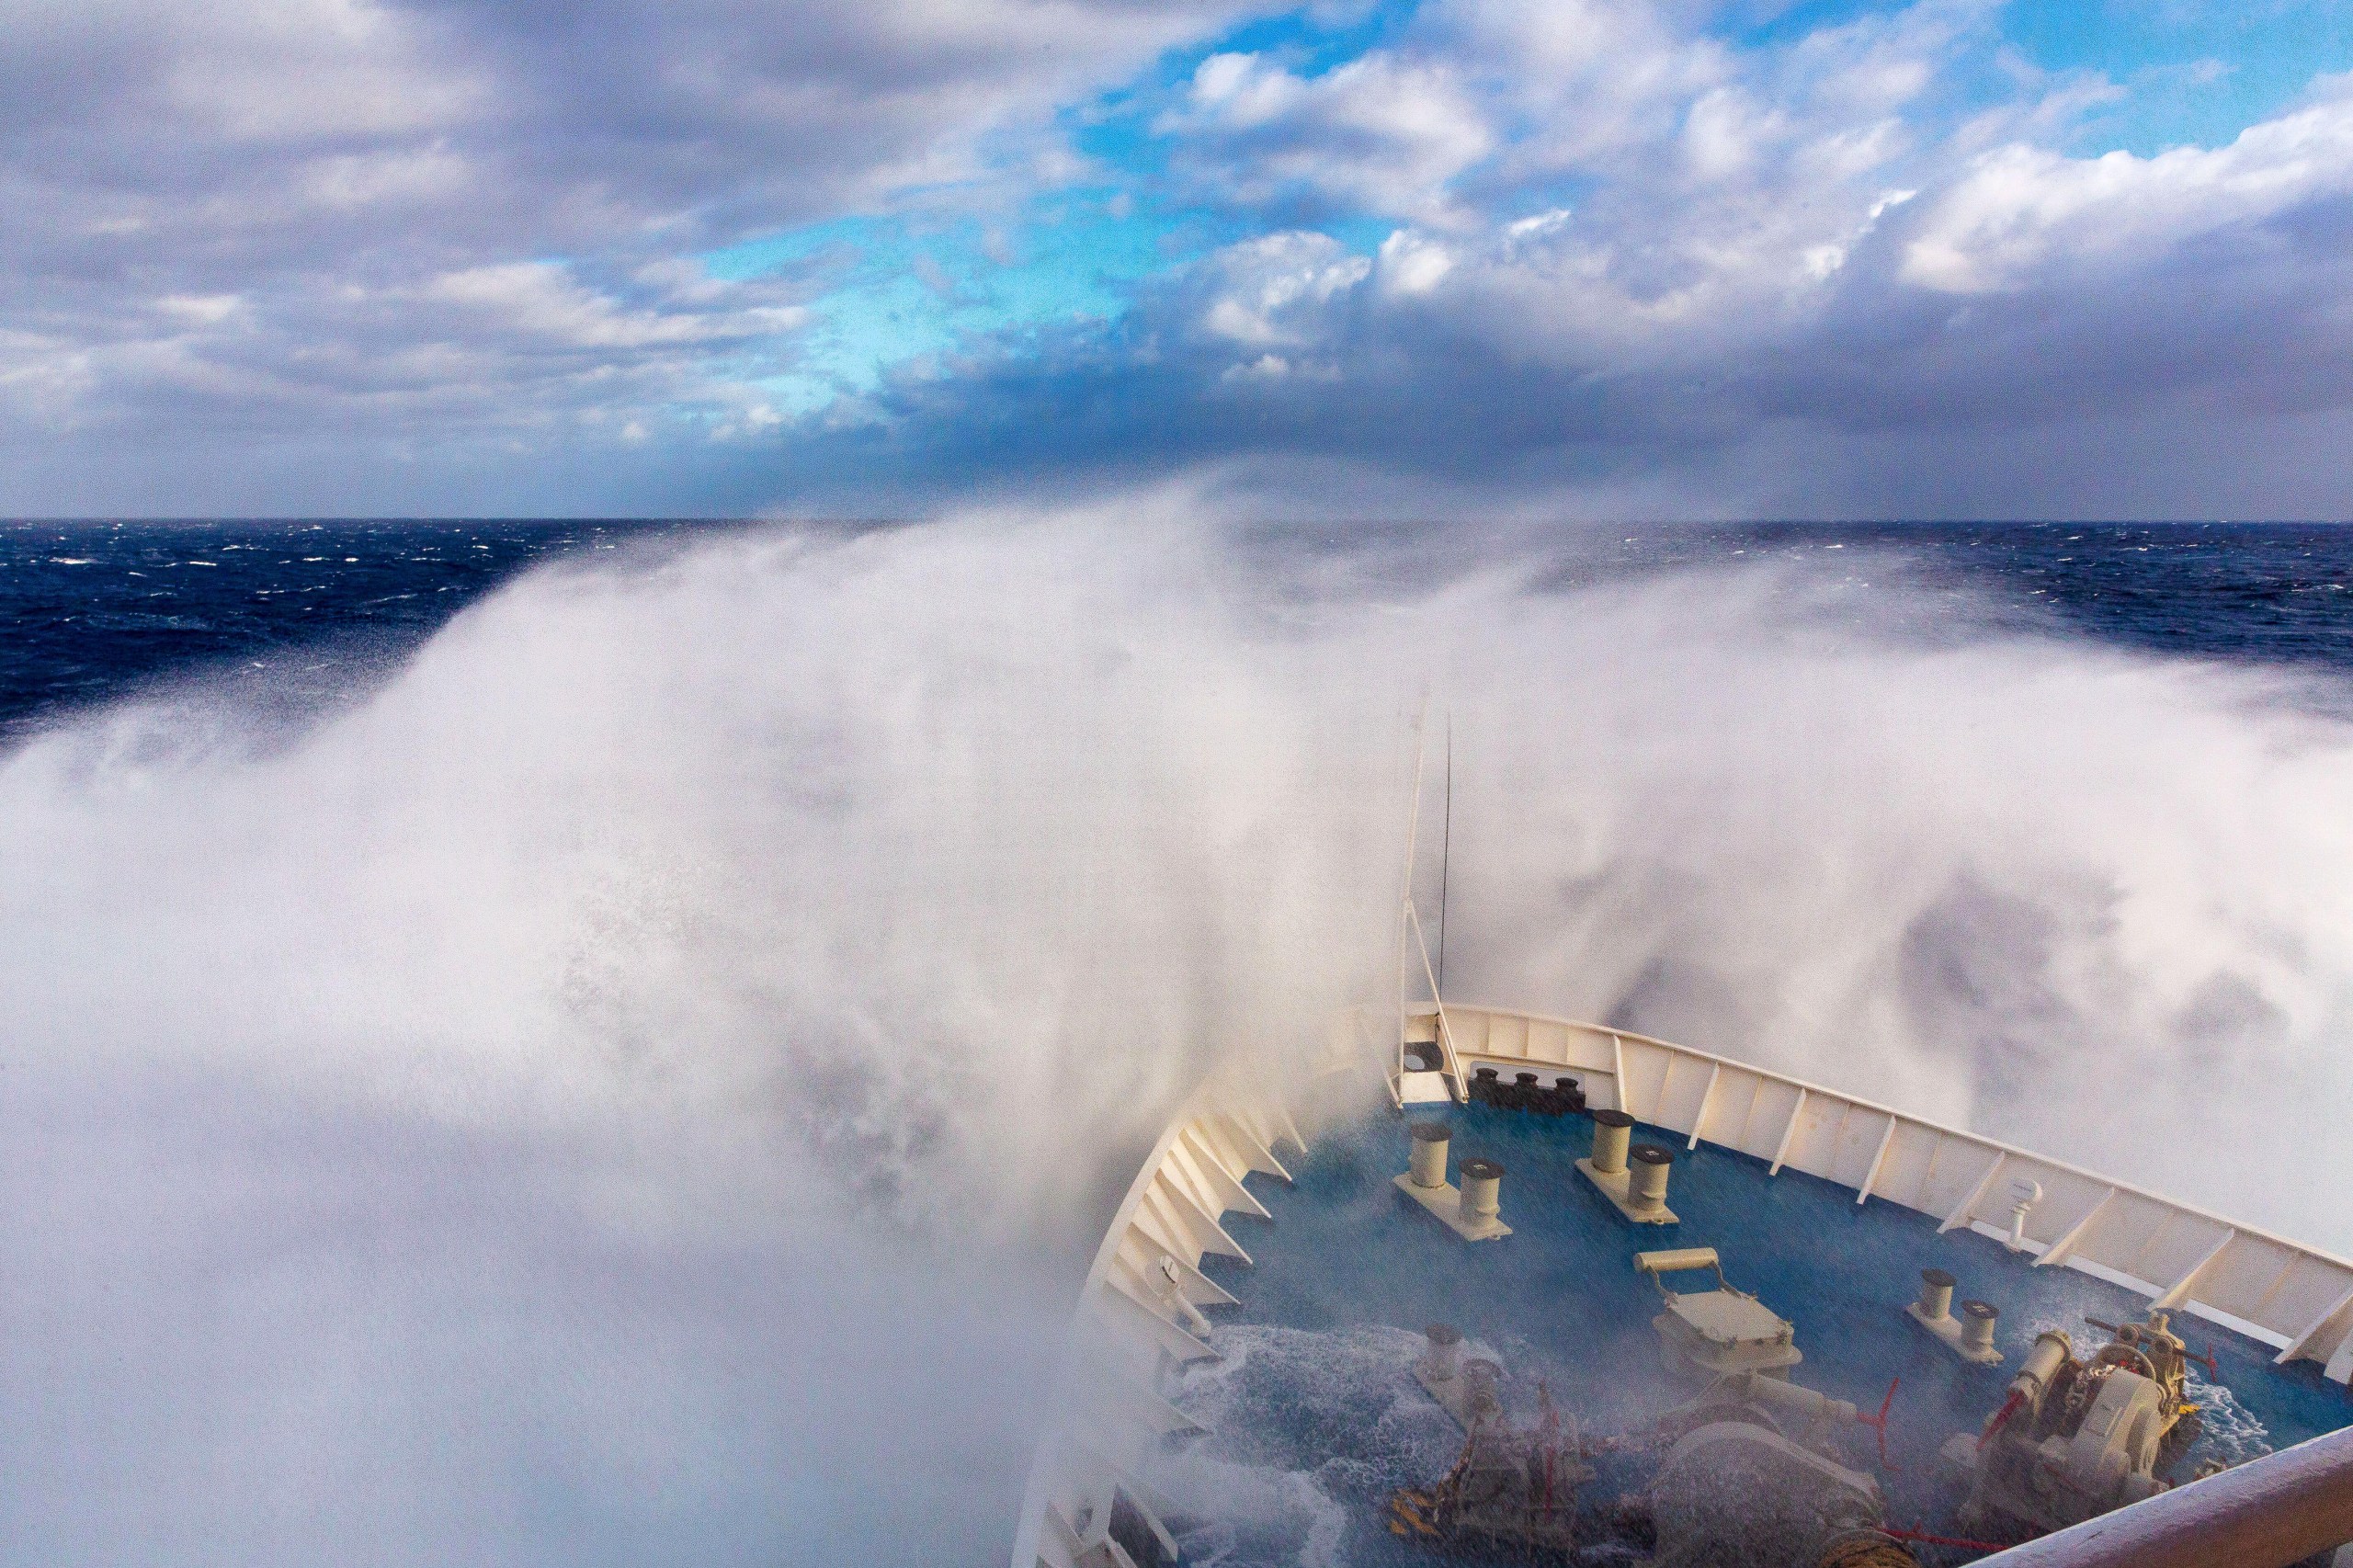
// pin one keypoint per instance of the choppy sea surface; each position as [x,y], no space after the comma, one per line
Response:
[93,611]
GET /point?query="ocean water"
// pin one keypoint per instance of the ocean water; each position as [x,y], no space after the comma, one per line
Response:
[577,1044]
[90,611]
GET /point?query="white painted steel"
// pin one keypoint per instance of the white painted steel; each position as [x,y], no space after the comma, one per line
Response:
[1139,1312]
[2295,1298]
[1707,1097]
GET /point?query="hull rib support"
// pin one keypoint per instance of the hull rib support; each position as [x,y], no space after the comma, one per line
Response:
[1789,1134]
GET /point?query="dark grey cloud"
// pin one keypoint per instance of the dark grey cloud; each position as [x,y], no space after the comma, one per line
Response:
[1948,329]
[402,239]
[144,133]
[446,258]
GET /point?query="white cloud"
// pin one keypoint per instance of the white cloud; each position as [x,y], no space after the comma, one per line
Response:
[1381,133]
[2023,211]
[1414,263]
[1725,191]
[1242,90]
[323,159]
[542,300]
[1270,292]
[471,221]
[1720,134]
[202,310]
[1537,226]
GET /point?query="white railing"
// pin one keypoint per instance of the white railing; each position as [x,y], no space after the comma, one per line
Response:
[1140,1310]
[1139,1313]
[2296,1299]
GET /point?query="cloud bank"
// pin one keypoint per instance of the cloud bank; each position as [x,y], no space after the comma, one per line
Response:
[1482,255]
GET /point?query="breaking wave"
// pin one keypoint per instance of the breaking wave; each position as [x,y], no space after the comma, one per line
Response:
[641,1081]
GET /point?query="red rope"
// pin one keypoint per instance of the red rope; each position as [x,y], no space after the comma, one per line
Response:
[1879,1423]
[2001,1418]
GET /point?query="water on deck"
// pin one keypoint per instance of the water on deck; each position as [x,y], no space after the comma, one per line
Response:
[1316,1418]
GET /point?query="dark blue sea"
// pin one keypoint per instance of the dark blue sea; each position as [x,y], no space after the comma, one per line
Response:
[92,612]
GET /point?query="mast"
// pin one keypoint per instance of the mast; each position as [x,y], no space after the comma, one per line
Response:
[1405,891]
[1445,853]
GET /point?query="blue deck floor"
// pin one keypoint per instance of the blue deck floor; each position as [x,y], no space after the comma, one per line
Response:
[1316,1386]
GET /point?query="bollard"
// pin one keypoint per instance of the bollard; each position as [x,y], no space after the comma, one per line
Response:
[1445,1351]
[1428,1169]
[1482,1402]
[1470,1213]
[1482,1183]
[1611,1134]
[1977,1320]
[1935,1294]
[1646,1192]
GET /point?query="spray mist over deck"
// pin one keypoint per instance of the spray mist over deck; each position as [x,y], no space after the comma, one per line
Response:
[642,1082]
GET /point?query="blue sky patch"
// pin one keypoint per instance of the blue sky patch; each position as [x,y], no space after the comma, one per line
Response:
[893,291]
[2192,74]
[890,290]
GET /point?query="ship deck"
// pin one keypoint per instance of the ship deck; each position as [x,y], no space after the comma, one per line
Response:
[1314,1416]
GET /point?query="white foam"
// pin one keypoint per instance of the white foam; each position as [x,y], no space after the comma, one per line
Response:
[1309,1428]
[2229,1431]
[851,914]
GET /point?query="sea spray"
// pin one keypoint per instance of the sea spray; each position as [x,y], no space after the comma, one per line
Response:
[643,1079]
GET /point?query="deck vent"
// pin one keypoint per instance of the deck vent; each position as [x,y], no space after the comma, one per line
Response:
[2024,1196]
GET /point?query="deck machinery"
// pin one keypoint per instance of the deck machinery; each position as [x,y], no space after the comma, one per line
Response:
[1604,1410]
[2074,1438]
[1749,1474]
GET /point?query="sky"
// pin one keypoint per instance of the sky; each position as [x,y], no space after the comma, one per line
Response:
[1511,257]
